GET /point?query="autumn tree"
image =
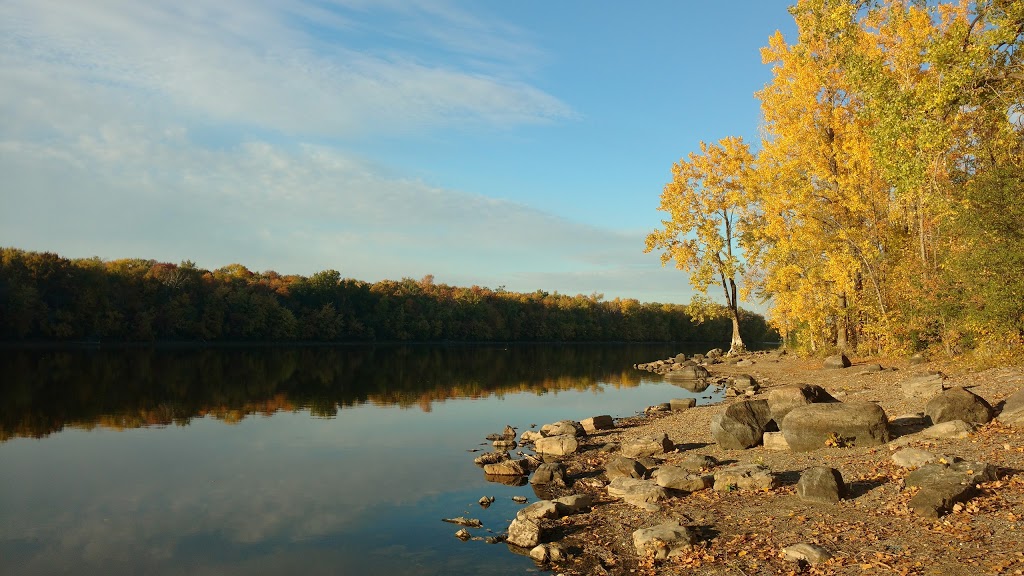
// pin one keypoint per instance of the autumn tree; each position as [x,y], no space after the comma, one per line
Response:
[706,202]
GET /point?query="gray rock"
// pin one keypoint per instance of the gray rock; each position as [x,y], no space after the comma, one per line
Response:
[491,458]
[520,499]
[677,478]
[623,467]
[557,445]
[508,468]
[836,361]
[697,463]
[741,425]
[530,436]
[943,485]
[871,368]
[745,477]
[679,404]
[743,383]
[958,404]
[853,423]
[524,533]
[647,446]
[463,521]
[913,458]
[549,473]
[663,407]
[804,552]
[951,429]
[1013,409]
[781,401]
[775,441]
[641,493]
[924,385]
[573,504]
[563,428]
[821,484]
[664,540]
[744,363]
[595,423]
[552,552]
[538,511]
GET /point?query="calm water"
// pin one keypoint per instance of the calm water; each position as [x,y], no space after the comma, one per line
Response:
[270,461]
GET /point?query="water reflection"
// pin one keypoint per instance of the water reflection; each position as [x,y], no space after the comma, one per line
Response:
[46,391]
[146,478]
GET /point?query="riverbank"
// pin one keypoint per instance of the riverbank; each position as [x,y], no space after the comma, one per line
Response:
[872,530]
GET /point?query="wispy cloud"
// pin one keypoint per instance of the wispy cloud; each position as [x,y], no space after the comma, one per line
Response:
[183,129]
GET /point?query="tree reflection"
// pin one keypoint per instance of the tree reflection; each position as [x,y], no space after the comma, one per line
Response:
[45,391]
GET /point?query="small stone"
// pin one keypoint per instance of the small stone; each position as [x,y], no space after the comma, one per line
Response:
[647,446]
[553,552]
[463,521]
[507,468]
[680,404]
[560,445]
[951,429]
[913,458]
[775,441]
[677,478]
[463,535]
[697,463]
[520,499]
[663,407]
[810,553]
[530,436]
[486,501]
[745,477]
[595,423]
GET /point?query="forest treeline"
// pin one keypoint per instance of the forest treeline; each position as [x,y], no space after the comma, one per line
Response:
[44,296]
[883,208]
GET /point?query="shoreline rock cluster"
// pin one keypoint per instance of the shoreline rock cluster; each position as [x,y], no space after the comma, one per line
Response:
[584,472]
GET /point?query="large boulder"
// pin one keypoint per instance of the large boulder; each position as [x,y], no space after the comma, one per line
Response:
[623,467]
[924,384]
[821,484]
[958,404]
[549,473]
[784,399]
[943,485]
[839,423]
[836,361]
[741,425]
[647,446]
[680,404]
[664,540]
[557,445]
[1013,409]
[573,504]
[524,533]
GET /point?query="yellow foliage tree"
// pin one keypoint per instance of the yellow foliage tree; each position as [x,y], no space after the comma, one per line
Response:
[706,201]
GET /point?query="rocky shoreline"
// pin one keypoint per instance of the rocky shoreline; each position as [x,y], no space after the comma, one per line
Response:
[887,466]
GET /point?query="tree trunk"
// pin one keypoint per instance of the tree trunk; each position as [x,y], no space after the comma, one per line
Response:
[737,346]
[842,325]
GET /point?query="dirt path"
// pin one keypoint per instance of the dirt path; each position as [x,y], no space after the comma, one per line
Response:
[872,531]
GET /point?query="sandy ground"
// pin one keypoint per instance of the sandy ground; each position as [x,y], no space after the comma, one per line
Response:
[872,531]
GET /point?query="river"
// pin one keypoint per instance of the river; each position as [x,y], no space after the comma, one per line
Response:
[298,460]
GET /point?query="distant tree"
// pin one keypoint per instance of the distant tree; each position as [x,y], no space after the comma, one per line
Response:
[706,200]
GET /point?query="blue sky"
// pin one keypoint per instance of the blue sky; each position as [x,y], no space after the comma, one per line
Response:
[521,143]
